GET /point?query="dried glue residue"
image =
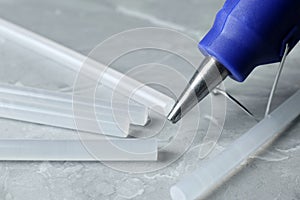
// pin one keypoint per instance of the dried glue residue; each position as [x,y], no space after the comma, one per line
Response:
[130,188]
[19,84]
[289,150]
[272,156]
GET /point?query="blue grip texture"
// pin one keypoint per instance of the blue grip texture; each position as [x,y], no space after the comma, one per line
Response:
[248,33]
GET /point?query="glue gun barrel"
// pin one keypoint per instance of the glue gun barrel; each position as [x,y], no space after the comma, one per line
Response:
[245,34]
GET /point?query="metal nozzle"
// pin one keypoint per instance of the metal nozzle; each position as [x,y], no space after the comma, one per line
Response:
[209,74]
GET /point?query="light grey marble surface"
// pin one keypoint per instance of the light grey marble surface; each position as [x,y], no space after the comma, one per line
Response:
[81,25]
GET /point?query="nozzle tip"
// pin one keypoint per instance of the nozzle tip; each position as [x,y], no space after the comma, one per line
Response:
[175,114]
[209,74]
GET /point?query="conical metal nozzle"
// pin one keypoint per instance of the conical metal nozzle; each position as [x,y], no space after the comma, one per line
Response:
[209,74]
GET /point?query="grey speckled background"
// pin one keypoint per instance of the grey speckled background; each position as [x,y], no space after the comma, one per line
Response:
[81,25]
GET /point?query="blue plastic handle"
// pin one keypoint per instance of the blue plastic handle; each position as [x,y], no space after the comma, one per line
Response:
[248,33]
